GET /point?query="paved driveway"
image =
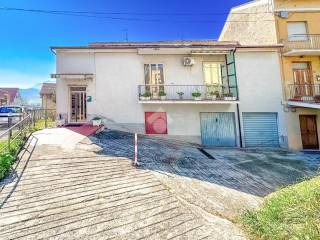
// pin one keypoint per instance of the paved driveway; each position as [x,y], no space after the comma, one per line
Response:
[89,190]
[76,193]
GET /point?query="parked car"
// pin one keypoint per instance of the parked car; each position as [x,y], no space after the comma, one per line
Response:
[15,113]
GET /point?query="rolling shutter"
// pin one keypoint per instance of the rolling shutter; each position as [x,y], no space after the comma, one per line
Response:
[260,129]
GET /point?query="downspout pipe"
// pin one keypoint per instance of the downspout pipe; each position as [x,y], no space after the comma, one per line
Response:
[238,105]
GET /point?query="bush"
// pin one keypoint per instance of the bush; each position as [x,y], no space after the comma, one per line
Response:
[6,160]
[196,94]
[290,213]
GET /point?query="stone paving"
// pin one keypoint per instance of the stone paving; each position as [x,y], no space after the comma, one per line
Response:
[88,188]
[63,193]
[257,172]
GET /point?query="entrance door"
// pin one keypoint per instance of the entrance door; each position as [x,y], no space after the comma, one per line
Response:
[302,78]
[78,105]
[309,134]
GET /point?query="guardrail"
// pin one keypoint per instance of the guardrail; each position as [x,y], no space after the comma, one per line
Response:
[309,93]
[302,41]
[187,92]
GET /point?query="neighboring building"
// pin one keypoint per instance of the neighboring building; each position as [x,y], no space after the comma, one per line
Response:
[296,26]
[48,96]
[238,90]
[10,96]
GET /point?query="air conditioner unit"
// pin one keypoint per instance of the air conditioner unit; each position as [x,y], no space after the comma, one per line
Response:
[188,61]
[284,14]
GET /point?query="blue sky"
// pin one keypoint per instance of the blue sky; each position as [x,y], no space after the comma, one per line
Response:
[25,58]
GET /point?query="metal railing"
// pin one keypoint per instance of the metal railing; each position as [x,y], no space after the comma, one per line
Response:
[187,93]
[309,93]
[20,130]
[302,41]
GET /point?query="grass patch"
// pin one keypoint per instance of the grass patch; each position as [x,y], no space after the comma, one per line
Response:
[40,124]
[290,213]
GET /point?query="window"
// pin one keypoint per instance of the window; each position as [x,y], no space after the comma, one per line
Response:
[10,110]
[213,73]
[297,31]
[153,74]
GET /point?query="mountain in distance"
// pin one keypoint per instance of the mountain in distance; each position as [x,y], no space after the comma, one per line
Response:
[31,96]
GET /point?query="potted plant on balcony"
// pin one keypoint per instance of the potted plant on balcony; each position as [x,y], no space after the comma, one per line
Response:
[229,97]
[213,95]
[162,95]
[146,96]
[180,94]
[196,95]
[96,121]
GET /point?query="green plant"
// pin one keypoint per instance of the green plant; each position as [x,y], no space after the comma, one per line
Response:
[214,93]
[290,213]
[6,160]
[228,94]
[196,94]
[146,94]
[162,93]
[180,94]
[96,118]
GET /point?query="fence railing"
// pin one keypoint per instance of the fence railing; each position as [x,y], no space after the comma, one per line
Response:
[20,130]
[187,92]
[302,41]
[309,93]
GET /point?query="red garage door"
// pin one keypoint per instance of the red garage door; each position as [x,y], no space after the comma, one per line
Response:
[156,122]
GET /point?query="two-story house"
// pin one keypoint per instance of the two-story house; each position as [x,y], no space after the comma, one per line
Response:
[215,93]
[295,25]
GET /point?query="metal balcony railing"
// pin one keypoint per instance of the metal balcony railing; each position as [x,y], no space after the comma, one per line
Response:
[187,93]
[309,93]
[302,41]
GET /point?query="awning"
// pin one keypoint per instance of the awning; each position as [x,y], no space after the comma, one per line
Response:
[82,76]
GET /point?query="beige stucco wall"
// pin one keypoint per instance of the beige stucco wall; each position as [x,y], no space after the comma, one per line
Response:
[255,28]
[117,76]
[295,4]
[260,89]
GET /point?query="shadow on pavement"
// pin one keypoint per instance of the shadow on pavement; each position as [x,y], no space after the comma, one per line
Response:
[255,171]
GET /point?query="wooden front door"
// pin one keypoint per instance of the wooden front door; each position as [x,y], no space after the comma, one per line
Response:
[302,77]
[309,134]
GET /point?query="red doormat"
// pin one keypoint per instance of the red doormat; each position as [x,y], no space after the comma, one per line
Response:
[85,129]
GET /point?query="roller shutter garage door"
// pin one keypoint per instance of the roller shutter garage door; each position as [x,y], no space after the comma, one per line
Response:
[260,129]
[218,129]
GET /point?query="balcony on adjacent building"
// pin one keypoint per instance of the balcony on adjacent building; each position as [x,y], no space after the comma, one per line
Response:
[304,95]
[302,44]
[190,94]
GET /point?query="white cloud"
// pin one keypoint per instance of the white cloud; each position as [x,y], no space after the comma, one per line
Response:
[12,78]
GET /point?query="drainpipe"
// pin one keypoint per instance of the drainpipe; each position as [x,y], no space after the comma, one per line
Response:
[239,124]
[238,107]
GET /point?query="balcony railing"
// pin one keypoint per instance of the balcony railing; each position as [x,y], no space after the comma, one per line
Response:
[187,93]
[308,93]
[302,42]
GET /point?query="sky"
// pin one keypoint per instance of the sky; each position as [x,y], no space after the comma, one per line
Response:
[25,37]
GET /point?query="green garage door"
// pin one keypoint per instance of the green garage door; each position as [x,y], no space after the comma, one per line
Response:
[260,129]
[218,129]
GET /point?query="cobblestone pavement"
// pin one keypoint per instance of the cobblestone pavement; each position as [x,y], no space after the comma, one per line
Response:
[90,190]
[58,193]
[257,172]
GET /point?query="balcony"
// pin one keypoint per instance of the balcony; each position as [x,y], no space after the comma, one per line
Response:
[191,94]
[302,44]
[304,95]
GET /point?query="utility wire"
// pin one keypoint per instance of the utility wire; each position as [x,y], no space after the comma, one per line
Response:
[102,16]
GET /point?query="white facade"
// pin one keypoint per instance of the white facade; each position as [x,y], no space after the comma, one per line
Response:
[118,72]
